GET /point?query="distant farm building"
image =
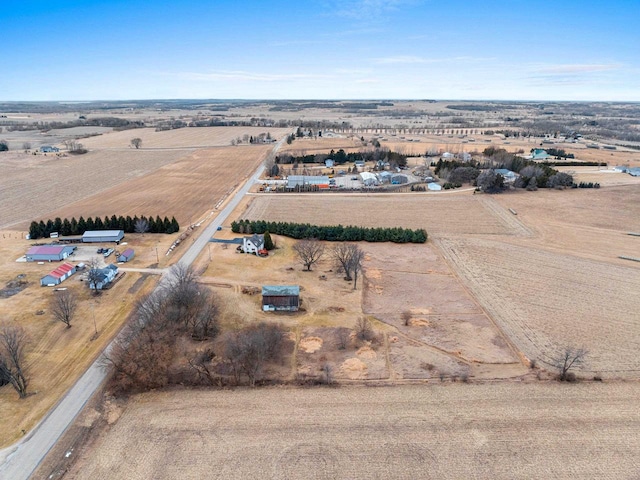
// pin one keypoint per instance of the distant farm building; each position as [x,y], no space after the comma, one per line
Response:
[399,179]
[280,298]
[434,187]
[539,154]
[49,253]
[621,168]
[127,255]
[385,176]
[634,172]
[101,236]
[104,277]
[49,149]
[301,181]
[58,276]
[368,179]
[448,155]
[253,244]
[329,163]
[359,164]
[508,175]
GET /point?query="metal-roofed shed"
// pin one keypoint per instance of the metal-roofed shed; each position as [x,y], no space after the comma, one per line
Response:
[48,253]
[100,236]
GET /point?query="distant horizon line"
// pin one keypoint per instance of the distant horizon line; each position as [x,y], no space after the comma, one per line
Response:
[74,102]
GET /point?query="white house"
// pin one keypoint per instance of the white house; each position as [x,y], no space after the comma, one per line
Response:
[253,244]
[105,277]
[329,163]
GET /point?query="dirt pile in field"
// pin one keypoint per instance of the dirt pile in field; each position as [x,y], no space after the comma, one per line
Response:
[310,344]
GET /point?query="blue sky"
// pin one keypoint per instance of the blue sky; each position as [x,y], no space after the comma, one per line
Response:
[324,49]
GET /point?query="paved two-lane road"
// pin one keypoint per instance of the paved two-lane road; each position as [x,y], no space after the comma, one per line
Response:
[19,461]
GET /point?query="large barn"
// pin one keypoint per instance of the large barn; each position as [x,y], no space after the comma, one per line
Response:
[49,253]
[280,298]
[101,236]
[58,276]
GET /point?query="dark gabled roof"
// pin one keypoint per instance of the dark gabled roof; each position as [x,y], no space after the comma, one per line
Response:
[280,290]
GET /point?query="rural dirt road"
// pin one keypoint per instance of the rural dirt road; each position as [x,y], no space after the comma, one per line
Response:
[19,461]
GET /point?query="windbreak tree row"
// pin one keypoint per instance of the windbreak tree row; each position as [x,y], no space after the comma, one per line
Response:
[128,224]
[335,233]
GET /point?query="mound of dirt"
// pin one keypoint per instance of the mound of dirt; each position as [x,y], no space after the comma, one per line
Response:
[419,322]
[310,344]
[366,352]
[354,368]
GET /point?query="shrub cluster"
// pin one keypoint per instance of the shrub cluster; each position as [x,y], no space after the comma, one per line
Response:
[335,233]
[586,185]
[78,227]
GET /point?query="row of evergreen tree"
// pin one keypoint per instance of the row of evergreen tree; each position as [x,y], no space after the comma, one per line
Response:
[128,224]
[336,233]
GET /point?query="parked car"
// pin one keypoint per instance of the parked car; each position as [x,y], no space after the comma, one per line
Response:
[108,252]
[100,250]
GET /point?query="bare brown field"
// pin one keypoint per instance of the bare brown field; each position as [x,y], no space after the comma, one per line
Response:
[605,178]
[615,208]
[439,214]
[499,431]
[36,184]
[200,137]
[545,301]
[416,280]
[186,189]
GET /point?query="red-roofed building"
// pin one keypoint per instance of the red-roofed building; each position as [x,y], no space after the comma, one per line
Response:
[49,253]
[58,276]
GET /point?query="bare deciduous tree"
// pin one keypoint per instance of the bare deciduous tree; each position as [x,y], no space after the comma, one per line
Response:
[342,338]
[93,275]
[141,225]
[248,350]
[355,264]
[570,358]
[342,253]
[201,363]
[13,340]
[327,371]
[63,306]
[26,146]
[363,329]
[136,142]
[309,251]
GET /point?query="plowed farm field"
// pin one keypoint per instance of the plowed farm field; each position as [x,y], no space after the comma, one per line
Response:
[185,189]
[443,214]
[193,137]
[497,431]
[545,301]
[33,185]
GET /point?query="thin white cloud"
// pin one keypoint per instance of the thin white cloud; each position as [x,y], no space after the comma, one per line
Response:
[367,80]
[576,68]
[414,59]
[405,59]
[240,75]
[366,10]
